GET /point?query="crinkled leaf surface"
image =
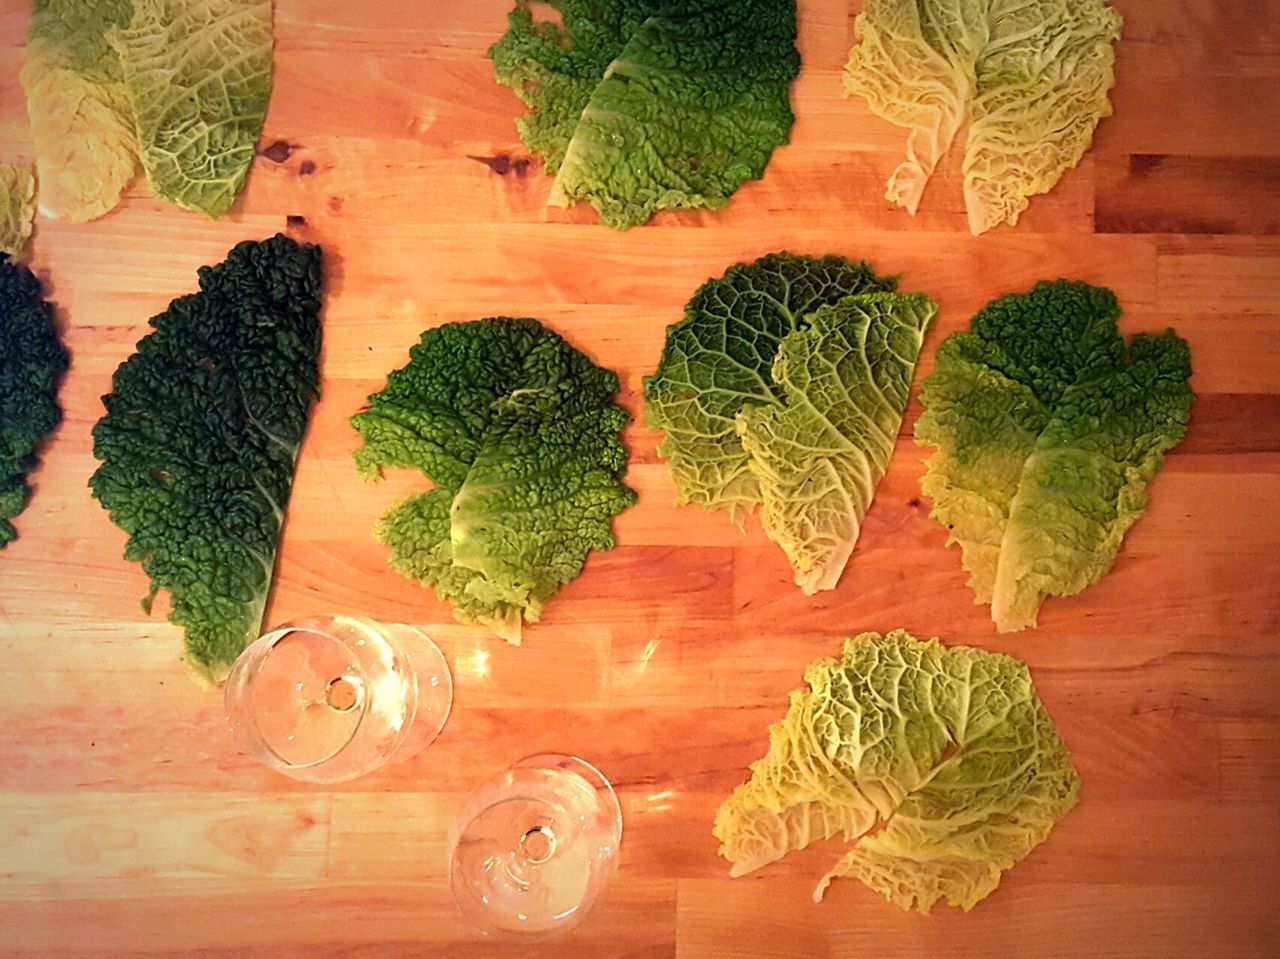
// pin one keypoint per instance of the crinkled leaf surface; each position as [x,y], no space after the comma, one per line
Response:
[519,433]
[818,456]
[180,86]
[198,78]
[720,358]
[1048,431]
[32,360]
[947,750]
[646,105]
[1028,77]
[200,437]
[17,206]
[81,123]
[784,385]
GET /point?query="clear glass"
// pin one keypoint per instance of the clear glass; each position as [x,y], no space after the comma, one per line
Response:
[330,698]
[533,848]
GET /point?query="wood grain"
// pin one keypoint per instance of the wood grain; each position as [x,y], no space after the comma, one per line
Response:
[131,825]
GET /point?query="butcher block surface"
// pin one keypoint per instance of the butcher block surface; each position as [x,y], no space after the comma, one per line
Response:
[131,824]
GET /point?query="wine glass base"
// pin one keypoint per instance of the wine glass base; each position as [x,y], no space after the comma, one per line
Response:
[328,698]
[534,847]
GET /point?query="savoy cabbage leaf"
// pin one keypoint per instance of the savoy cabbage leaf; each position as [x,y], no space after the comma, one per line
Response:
[178,86]
[519,433]
[1029,78]
[719,358]
[784,386]
[32,361]
[202,429]
[947,750]
[81,123]
[819,456]
[647,105]
[198,77]
[17,206]
[1048,431]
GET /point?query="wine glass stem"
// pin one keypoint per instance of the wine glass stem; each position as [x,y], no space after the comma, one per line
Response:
[534,848]
[538,845]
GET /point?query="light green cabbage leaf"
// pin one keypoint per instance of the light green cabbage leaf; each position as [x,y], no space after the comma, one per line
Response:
[647,105]
[178,86]
[1048,432]
[940,763]
[784,387]
[819,456]
[17,206]
[1029,78]
[81,122]
[719,358]
[519,432]
[198,78]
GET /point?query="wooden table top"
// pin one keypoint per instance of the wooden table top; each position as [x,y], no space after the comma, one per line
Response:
[132,825]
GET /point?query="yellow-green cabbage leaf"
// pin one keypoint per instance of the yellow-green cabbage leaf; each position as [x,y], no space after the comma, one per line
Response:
[784,387]
[1048,430]
[198,77]
[820,453]
[939,763]
[1029,78]
[179,87]
[519,434]
[81,122]
[17,206]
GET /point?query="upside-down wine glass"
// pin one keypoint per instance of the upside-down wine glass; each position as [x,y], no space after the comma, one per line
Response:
[329,698]
[535,846]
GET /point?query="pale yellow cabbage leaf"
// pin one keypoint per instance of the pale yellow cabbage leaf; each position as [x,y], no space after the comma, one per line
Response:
[179,87]
[946,749]
[81,123]
[1028,77]
[17,206]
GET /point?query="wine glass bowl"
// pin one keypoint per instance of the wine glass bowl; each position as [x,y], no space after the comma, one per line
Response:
[533,848]
[329,698]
